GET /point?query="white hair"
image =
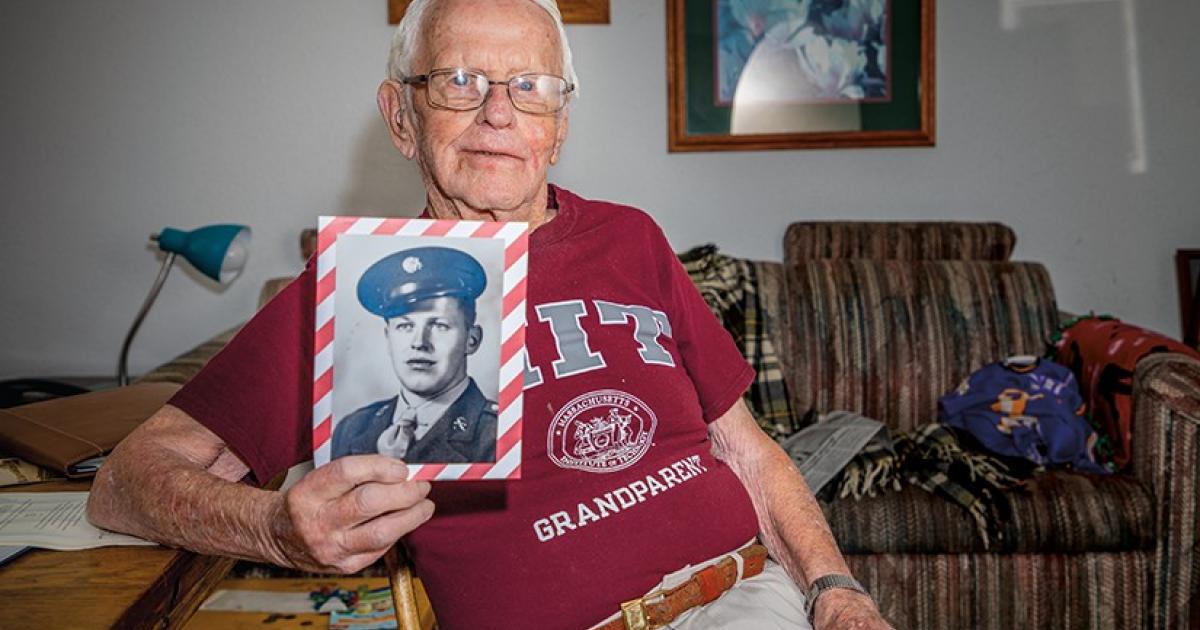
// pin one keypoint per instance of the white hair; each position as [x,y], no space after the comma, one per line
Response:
[404,42]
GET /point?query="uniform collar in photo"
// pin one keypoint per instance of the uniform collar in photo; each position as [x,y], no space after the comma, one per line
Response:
[428,410]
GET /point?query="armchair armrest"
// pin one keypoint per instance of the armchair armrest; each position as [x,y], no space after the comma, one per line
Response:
[1166,457]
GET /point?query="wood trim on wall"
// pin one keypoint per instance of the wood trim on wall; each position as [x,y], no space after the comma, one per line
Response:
[573,11]
[1189,296]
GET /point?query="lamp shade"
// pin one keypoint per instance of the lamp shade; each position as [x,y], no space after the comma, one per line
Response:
[217,251]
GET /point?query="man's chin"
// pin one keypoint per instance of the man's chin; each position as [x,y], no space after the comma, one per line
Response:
[494,193]
[417,383]
[499,202]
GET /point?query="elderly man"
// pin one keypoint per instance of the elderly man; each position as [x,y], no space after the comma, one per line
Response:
[644,474]
[426,297]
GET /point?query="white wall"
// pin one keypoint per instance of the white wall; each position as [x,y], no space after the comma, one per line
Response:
[119,117]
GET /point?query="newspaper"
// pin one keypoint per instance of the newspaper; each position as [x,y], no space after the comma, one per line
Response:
[823,449]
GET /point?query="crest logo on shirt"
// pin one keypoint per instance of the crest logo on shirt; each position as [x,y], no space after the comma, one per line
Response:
[601,431]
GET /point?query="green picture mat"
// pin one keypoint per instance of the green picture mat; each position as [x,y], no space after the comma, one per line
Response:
[902,113]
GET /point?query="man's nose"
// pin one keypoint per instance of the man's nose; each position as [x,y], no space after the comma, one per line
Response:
[497,110]
[421,339]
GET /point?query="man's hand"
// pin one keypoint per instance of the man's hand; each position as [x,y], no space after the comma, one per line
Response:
[345,515]
[175,482]
[845,609]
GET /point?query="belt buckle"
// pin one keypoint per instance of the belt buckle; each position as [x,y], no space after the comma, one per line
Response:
[633,613]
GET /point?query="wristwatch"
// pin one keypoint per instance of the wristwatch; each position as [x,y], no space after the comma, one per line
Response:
[828,583]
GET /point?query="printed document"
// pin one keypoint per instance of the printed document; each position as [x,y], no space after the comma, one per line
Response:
[53,520]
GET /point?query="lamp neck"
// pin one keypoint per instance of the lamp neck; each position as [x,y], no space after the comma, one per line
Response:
[123,363]
[172,240]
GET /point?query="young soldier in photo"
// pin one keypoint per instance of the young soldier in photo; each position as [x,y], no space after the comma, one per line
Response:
[426,297]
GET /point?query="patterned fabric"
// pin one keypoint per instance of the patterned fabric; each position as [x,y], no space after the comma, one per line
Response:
[733,291]
[773,298]
[1024,407]
[887,338]
[1006,591]
[1103,352]
[899,241]
[931,458]
[1055,512]
[1166,441]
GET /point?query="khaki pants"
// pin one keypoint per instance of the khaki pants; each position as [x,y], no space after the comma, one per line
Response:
[767,601]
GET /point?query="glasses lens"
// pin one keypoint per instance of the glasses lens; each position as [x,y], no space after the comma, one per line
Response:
[457,89]
[465,90]
[538,93]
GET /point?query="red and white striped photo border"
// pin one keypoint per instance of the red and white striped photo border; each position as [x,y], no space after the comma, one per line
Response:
[512,332]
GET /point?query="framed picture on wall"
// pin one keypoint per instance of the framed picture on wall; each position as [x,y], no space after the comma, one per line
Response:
[1187,270]
[800,74]
[573,11]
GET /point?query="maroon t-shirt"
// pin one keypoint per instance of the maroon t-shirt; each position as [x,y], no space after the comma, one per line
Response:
[626,367]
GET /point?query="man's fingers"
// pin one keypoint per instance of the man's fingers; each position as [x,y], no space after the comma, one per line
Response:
[344,473]
[369,500]
[378,534]
[355,563]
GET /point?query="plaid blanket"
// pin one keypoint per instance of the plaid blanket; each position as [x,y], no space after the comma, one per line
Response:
[933,458]
[730,287]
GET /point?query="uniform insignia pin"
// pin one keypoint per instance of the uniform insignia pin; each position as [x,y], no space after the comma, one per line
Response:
[412,264]
[460,424]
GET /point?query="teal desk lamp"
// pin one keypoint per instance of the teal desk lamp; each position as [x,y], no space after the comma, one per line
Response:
[217,251]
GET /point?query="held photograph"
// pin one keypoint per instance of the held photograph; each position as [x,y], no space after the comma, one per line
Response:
[407,357]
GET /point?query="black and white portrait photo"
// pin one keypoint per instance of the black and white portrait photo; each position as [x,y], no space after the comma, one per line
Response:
[417,348]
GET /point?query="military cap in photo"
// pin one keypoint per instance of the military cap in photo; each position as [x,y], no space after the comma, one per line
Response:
[390,287]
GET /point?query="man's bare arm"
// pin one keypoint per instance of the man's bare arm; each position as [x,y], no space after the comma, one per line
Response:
[175,482]
[790,521]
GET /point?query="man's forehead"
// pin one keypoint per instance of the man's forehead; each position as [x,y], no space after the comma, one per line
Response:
[518,34]
[432,307]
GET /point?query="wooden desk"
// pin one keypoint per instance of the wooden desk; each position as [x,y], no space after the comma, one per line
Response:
[122,587]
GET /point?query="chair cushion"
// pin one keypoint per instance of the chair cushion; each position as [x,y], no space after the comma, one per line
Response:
[886,338]
[941,240]
[1056,512]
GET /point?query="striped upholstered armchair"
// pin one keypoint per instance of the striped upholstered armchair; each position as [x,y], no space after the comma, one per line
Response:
[882,319]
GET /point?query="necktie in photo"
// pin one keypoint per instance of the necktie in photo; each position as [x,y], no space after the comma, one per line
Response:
[396,439]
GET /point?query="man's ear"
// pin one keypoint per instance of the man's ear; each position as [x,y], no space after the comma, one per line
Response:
[393,106]
[561,135]
[474,338]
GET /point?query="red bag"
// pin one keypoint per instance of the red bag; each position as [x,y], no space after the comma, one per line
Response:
[1103,351]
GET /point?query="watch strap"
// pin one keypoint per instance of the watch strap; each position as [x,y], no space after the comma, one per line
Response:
[828,583]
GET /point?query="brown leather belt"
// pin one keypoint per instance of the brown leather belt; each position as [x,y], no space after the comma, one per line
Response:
[660,608]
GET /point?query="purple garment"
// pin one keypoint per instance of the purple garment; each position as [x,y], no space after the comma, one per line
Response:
[1031,410]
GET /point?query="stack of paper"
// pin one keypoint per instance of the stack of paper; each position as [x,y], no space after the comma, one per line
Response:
[53,520]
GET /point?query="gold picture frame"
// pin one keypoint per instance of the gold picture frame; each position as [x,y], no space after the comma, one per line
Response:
[704,116]
[573,11]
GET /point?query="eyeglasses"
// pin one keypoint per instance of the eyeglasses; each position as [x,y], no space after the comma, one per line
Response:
[463,90]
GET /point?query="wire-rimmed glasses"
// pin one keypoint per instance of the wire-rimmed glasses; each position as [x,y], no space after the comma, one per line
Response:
[460,89]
